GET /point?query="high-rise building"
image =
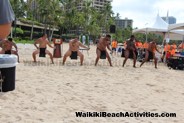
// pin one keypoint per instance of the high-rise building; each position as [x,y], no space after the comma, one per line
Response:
[171,19]
[98,4]
[123,23]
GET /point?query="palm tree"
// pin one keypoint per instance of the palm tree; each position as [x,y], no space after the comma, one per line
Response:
[117,16]
[31,12]
[55,15]
[69,13]
[106,14]
[18,6]
[87,12]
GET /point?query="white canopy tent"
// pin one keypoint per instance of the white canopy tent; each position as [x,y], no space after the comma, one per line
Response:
[159,27]
[176,34]
[176,31]
[177,26]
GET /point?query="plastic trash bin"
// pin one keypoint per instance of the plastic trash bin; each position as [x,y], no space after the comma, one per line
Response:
[7,71]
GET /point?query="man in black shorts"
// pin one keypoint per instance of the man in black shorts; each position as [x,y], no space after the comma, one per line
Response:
[130,51]
[101,49]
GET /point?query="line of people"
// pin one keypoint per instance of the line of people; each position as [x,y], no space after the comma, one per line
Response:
[171,49]
[74,49]
[7,16]
[101,50]
[131,48]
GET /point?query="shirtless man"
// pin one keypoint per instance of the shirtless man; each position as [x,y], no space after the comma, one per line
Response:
[101,48]
[42,42]
[7,46]
[150,53]
[74,45]
[130,49]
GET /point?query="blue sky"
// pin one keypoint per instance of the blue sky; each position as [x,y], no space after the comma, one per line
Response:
[144,12]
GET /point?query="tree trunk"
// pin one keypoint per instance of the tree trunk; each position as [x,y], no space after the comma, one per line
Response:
[32,30]
[15,27]
[52,34]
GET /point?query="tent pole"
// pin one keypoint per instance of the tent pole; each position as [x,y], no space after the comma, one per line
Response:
[183,43]
[163,47]
[163,39]
[146,34]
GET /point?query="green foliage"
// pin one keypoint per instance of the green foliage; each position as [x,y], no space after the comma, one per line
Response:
[63,13]
[27,21]
[18,31]
[118,35]
[150,37]
[25,41]
[19,7]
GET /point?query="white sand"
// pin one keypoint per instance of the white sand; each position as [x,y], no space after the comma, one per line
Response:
[53,93]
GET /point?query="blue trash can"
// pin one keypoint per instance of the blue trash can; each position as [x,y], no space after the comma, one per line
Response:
[8,71]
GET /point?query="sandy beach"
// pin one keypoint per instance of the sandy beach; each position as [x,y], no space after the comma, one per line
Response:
[52,93]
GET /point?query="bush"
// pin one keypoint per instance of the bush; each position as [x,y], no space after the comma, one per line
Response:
[29,21]
[18,31]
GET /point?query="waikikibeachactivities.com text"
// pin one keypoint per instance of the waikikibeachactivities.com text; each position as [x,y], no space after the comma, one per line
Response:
[123,114]
[115,62]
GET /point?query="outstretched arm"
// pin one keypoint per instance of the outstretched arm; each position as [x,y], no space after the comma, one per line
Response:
[83,46]
[15,46]
[157,49]
[49,44]
[108,47]
[36,41]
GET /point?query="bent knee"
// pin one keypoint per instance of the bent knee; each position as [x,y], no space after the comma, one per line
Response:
[50,54]
[81,55]
[34,53]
